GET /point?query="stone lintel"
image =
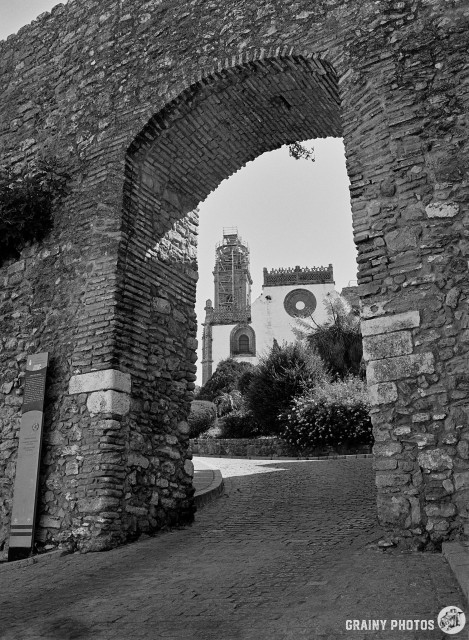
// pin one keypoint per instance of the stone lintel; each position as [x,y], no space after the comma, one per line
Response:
[108,402]
[400,367]
[387,324]
[100,381]
[397,343]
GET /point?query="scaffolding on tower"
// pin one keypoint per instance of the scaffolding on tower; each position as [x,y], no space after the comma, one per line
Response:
[231,272]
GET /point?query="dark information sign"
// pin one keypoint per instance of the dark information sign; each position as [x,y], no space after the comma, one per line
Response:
[29,455]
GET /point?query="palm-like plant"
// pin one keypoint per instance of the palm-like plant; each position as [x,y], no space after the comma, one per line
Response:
[338,341]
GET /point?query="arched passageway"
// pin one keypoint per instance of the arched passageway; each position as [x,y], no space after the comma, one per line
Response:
[150,107]
[210,131]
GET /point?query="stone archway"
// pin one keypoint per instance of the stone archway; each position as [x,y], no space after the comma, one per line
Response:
[150,112]
[210,131]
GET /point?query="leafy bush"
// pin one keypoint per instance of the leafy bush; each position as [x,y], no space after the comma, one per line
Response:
[201,417]
[331,415]
[277,379]
[348,391]
[239,424]
[224,379]
[26,205]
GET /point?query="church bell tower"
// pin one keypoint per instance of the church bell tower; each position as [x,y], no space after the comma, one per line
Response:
[231,275]
[232,283]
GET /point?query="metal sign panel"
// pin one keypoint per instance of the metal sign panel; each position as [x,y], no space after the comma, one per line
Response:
[29,454]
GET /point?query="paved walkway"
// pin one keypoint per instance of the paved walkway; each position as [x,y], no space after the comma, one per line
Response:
[286,553]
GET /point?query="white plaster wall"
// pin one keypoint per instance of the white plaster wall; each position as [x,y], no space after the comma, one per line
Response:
[270,320]
[221,342]
[221,345]
[251,359]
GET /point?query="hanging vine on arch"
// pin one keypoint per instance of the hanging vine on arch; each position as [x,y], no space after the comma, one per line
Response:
[298,151]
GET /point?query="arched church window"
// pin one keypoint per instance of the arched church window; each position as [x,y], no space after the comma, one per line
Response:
[243,340]
[243,343]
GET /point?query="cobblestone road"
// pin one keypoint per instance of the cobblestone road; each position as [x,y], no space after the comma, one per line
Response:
[285,554]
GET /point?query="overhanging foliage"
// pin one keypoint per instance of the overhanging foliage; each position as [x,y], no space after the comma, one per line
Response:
[26,202]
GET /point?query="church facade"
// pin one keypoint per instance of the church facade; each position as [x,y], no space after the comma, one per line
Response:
[236,328]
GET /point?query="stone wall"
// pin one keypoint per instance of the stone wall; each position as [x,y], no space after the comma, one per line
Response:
[150,105]
[266,448]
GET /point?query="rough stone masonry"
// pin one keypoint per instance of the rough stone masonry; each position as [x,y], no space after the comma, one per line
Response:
[150,104]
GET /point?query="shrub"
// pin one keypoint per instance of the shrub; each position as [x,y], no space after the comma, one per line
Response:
[224,379]
[277,379]
[26,205]
[201,417]
[348,391]
[331,415]
[239,424]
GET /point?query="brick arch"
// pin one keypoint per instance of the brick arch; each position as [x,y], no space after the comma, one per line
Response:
[183,153]
[202,137]
[219,67]
[110,292]
[316,72]
[199,139]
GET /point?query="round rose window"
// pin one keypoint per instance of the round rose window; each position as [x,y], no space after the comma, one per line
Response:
[299,303]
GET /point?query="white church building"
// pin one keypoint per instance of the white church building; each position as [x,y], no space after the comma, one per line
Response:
[235,328]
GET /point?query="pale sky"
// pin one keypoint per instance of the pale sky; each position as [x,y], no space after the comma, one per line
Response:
[16,13]
[290,212]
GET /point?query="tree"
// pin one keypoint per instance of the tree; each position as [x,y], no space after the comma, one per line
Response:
[224,379]
[277,379]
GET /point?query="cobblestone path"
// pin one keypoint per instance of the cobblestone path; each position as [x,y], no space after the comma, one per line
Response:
[285,554]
